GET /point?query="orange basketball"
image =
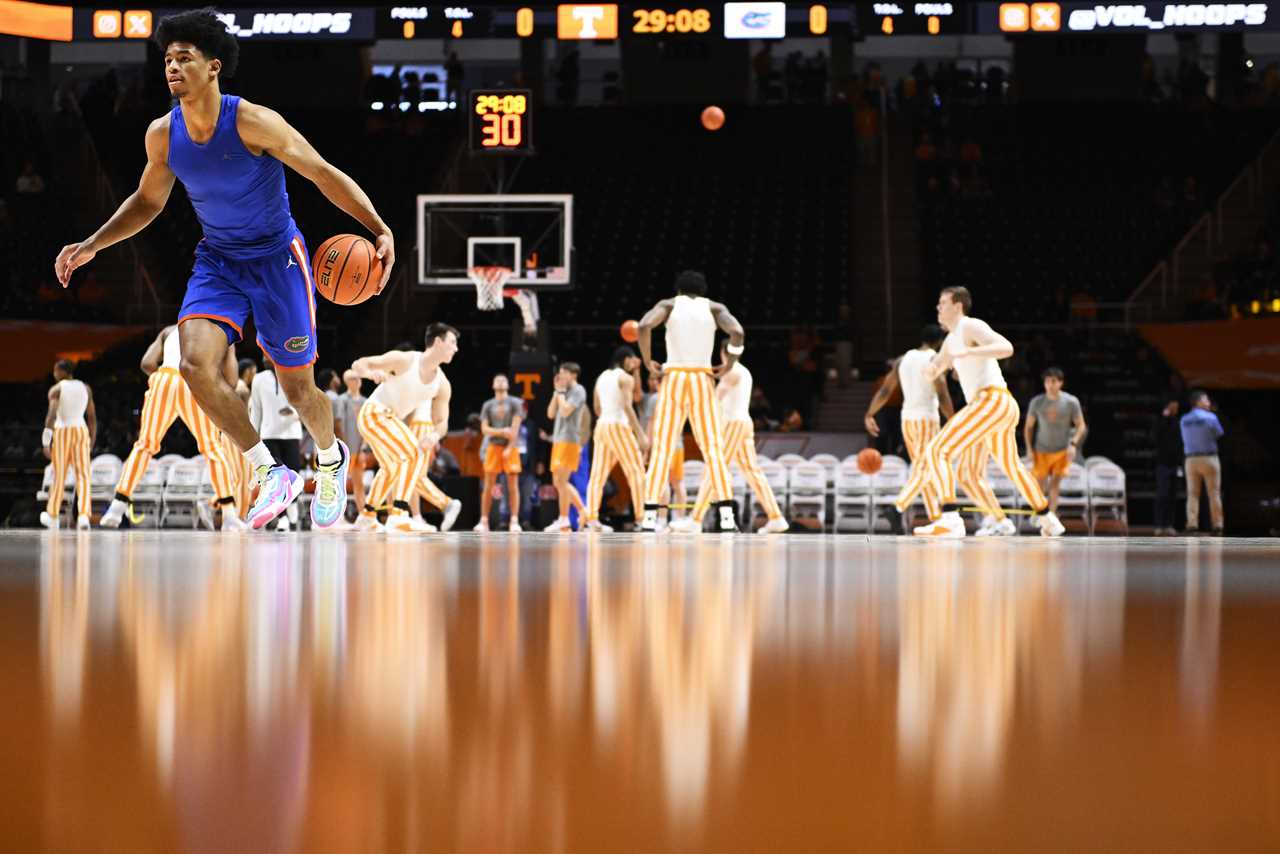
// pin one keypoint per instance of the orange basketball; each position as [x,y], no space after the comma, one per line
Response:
[713,118]
[346,269]
[630,331]
[869,461]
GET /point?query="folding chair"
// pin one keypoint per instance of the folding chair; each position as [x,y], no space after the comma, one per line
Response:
[807,487]
[148,495]
[853,492]
[104,474]
[181,492]
[1107,494]
[776,475]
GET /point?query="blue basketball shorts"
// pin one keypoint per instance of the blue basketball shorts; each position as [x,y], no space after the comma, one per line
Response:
[276,289]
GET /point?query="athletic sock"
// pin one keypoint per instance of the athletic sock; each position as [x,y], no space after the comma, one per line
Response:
[258,455]
[330,455]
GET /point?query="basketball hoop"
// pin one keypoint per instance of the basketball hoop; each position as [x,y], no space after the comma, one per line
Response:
[489,282]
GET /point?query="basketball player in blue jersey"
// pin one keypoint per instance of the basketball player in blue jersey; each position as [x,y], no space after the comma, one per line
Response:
[230,156]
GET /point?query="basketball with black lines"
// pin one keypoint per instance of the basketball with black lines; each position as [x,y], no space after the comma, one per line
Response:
[347,269]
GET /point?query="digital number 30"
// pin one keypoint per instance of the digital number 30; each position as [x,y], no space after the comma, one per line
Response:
[502,130]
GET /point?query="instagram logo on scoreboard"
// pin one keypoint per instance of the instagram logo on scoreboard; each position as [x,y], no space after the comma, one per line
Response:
[1038,17]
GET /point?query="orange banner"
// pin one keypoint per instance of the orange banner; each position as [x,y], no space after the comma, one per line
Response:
[1221,353]
[35,20]
[32,346]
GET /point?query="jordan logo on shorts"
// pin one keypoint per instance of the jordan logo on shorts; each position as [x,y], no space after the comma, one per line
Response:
[290,263]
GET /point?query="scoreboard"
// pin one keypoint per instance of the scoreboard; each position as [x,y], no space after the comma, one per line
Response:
[647,21]
[501,121]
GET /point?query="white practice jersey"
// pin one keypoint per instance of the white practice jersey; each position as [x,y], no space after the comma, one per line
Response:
[691,333]
[73,400]
[976,373]
[612,408]
[736,403]
[172,351]
[404,393]
[919,396]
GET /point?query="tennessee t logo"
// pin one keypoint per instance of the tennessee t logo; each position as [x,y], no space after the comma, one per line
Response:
[528,381]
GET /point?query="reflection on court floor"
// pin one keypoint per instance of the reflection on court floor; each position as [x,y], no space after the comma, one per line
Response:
[332,694]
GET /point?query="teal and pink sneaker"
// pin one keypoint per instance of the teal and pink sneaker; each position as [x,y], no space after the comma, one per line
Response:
[331,490]
[280,486]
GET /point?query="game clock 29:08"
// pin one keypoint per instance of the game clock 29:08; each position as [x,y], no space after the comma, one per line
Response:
[501,120]
[673,21]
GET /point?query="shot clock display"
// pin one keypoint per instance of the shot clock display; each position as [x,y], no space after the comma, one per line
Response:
[501,121]
[670,21]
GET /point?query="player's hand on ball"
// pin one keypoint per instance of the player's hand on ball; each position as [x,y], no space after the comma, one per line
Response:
[73,255]
[386,247]
[873,429]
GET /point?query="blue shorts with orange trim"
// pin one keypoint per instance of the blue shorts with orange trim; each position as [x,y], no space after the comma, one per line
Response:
[276,289]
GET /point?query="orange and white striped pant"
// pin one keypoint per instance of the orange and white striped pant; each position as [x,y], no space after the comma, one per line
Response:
[687,394]
[989,420]
[740,448]
[402,464]
[70,449]
[615,444]
[167,398]
[241,474]
[970,471]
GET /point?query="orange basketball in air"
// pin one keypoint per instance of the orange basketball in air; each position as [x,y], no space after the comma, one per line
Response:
[869,461]
[713,118]
[630,331]
[346,269]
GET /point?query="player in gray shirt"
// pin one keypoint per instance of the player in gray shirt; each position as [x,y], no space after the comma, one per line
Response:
[567,407]
[1054,433]
[500,420]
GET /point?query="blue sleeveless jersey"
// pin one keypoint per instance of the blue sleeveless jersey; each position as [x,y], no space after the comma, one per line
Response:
[240,199]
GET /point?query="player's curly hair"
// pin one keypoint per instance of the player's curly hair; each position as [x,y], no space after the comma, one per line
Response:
[201,28]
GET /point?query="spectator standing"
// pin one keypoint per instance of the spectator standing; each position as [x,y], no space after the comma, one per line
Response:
[1201,431]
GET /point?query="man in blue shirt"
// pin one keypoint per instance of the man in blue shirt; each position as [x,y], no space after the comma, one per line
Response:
[1200,433]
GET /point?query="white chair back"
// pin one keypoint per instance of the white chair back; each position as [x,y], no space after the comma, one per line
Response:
[808,479]
[790,461]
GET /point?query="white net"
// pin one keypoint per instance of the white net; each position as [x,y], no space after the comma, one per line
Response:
[489,282]
[528,303]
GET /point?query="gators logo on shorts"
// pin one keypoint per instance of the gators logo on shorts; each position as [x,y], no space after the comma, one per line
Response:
[297,344]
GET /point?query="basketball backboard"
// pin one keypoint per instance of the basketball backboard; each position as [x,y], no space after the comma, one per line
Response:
[531,234]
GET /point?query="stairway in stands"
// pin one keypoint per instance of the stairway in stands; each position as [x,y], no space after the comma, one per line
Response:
[843,408]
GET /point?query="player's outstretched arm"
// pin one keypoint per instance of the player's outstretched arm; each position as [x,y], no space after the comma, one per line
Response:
[134,214]
[729,325]
[654,318]
[266,129]
[381,368]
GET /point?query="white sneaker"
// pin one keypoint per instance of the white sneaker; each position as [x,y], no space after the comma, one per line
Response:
[649,521]
[988,524]
[368,523]
[775,526]
[409,525]
[204,514]
[514,526]
[82,522]
[684,525]
[50,522]
[114,515]
[231,522]
[948,527]
[451,511]
[1004,528]
[728,524]
[482,527]
[561,524]
[599,527]
[1050,526]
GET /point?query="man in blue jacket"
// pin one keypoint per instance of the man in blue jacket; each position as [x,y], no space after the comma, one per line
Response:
[1200,433]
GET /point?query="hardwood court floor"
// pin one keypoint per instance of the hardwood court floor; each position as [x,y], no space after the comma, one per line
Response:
[190,692]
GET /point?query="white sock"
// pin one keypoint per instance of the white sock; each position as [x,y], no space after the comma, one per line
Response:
[330,455]
[117,507]
[258,455]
